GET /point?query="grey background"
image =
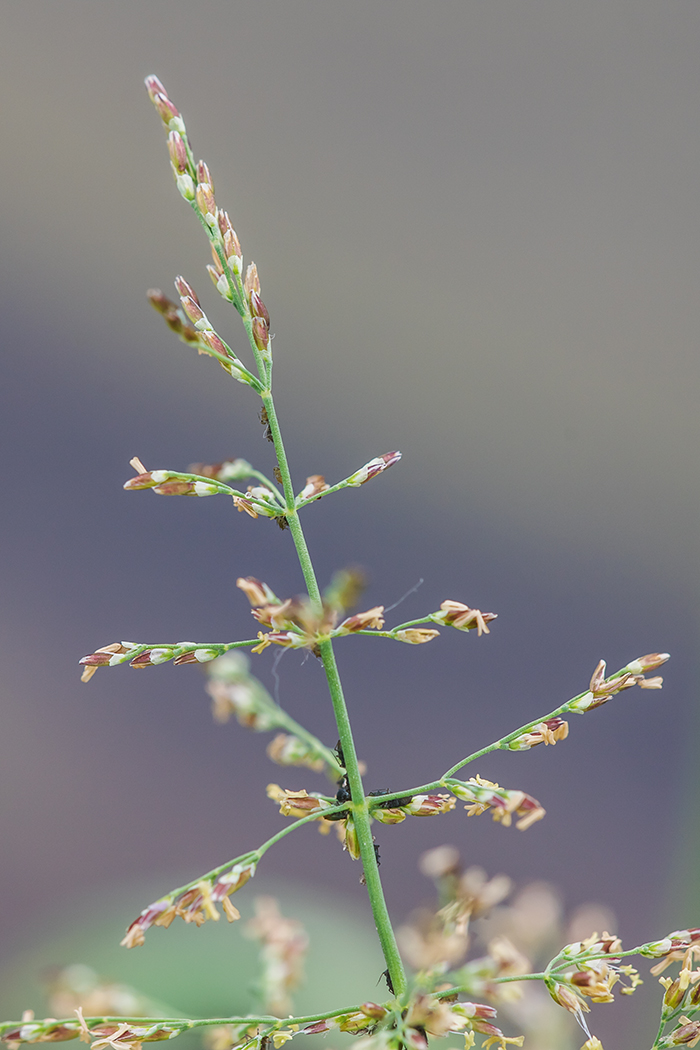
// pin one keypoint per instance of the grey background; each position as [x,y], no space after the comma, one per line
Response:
[476,226]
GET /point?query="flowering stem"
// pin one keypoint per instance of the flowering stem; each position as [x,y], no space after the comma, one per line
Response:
[252,855]
[360,808]
[361,817]
[185,1024]
[503,743]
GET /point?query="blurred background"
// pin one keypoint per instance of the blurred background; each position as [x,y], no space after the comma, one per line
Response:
[476,227]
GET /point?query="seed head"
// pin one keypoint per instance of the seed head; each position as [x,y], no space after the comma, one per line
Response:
[548,732]
[315,484]
[416,635]
[261,334]
[204,196]
[168,113]
[294,803]
[165,108]
[258,308]
[461,616]
[252,281]
[371,619]
[647,663]
[203,175]
[374,467]
[429,805]
[178,153]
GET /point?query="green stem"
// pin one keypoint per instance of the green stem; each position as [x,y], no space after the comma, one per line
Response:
[362,822]
[261,850]
[186,1023]
[360,808]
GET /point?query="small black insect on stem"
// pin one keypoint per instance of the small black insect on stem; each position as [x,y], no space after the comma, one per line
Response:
[389,983]
[266,423]
[343,794]
[391,803]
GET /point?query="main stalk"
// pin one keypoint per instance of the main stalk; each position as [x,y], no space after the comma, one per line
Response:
[360,807]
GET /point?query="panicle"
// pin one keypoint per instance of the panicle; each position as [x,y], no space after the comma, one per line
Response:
[215,343]
[232,246]
[484,794]
[430,805]
[191,306]
[547,732]
[252,281]
[566,997]
[168,483]
[204,175]
[204,196]
[371,619]
[139,656]
[393,811]
[178,153]
[185,290]
[166,109]
[258,308]
[261,334]
[647,663]
[416,635]
[101,658]
[461,616]
[195,902]
[154,87]
[218,277]
[602,688]
[295,803]
[180,163]
[686,1033]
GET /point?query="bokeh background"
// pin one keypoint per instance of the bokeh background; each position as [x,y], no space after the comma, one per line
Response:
[477,230]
